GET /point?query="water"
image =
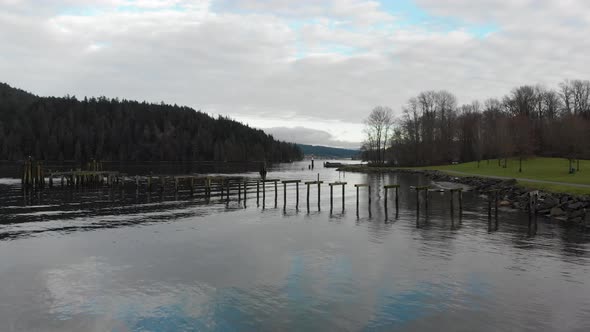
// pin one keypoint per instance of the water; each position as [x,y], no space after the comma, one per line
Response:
[93,261]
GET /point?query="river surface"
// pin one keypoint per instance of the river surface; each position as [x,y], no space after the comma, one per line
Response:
[99,261]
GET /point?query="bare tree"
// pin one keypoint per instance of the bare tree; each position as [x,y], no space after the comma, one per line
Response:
[378,129]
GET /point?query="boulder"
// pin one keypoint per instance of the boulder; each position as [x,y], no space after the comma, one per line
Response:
[555,212]
[504,203]
[575,206]
[549,202]
[576,214]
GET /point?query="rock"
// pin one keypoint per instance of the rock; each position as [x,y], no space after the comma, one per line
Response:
[575,206]
[555,212]
[504,203]
[575,214]
[576,220]
[549,202]
[545,211]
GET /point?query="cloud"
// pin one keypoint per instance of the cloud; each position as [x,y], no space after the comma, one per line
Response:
[303,135]
[314,64]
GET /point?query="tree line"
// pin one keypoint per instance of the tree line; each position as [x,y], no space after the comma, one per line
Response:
[530,120]
[55,129]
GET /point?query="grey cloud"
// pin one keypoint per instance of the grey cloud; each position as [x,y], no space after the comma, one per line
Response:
[309,136]
[249,65]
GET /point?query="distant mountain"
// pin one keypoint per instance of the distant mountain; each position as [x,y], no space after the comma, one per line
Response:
[325,151]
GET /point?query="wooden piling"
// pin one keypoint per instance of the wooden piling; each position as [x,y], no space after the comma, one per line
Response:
[319,186]
[338,183]
[385,205]
[307,184]
[263,194]
[357,201]
[297,194]
[257,193]
[331,198]
[285,183]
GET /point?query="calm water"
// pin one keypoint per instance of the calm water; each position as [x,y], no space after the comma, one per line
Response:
[94,261]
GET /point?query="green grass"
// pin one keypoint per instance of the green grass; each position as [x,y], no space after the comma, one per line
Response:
[556,188]
[548,169]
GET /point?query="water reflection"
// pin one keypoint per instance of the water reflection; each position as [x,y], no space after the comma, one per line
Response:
[103,260]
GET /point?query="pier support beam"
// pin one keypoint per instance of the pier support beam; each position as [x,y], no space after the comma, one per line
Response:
[357,186]
[342,184]
[308,184]
[386,189]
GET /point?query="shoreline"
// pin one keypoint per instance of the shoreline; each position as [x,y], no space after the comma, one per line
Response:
[573,209]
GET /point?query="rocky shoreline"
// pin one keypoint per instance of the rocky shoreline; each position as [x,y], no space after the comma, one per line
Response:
[572,209]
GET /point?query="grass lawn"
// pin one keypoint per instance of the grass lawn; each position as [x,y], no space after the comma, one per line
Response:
[548,169]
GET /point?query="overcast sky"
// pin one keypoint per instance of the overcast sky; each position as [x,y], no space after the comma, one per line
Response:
[306,68]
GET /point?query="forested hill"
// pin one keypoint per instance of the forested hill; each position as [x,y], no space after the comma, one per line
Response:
[328,152]
[110,129]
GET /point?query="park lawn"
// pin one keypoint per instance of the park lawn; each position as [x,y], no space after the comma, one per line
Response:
[556,188]
[548,169]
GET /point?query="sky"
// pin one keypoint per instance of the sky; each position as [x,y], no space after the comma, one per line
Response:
[306,70]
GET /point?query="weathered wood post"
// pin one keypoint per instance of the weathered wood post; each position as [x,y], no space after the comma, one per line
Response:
[257,192]
[357,201]
[175,184]
[227,188]
[297,194]
[490,211]
[276,193]
[386,188]
[417,202]
[192,183]
[460,204]
[307,197]
[369,193]
[385,203]
[263,194]
[284,195]
[331,197]
[452,203]
[319,186]
[397,201]
[149,183]
[343,199]
[239,191]
[245,192]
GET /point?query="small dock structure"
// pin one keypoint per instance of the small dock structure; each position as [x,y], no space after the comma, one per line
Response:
[363,185]
[341,184]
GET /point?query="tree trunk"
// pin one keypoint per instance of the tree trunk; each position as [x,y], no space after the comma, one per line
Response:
[520,165]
